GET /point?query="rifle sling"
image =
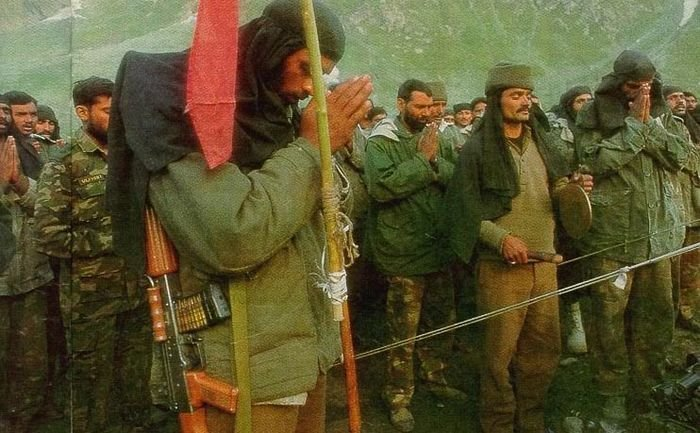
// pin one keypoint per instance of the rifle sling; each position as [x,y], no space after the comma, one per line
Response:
[241,356]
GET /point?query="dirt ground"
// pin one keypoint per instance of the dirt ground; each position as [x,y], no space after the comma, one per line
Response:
[571,394]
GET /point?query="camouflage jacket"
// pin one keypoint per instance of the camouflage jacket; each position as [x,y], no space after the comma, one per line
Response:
[72,223]
[637,211]
[28,269]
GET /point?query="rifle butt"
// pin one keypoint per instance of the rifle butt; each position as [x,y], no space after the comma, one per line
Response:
[193,422]
[204,389]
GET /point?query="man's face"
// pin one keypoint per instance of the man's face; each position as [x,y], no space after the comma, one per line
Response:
[449,119]
[479,109]
[45,127]
[580,101]
[24,117]
[95,117]
[691,103]
[515,105]
[676,102]
[437,110]
[632,88]
[463,118]
[5,119]
[295,81]
[377,118]
[417,111]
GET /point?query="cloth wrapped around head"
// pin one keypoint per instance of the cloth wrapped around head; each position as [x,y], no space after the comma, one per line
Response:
[611,106]
[262,117]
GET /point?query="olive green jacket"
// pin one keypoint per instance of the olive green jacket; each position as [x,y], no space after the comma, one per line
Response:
[636,209]
[406,192]
[262,232]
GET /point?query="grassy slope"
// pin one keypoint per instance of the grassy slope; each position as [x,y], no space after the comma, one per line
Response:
[571,42]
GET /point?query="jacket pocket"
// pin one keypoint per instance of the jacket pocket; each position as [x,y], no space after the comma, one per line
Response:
[611,213]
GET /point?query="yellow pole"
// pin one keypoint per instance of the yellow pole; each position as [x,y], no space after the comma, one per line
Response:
[330,213]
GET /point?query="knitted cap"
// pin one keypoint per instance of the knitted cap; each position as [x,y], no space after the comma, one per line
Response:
[462,106]
[44,112]
[667,90]
[438,90]
[506,75]
[331,35]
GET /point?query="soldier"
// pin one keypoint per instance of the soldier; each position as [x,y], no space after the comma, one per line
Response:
[563,120]
[48,134]
[633,147]
[407,168]
[686,268]
[102,304]
[253,223]
[23,108]
[23,361]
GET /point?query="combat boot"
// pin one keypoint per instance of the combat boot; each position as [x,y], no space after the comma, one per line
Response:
[402,419]
[576,340]
[615,410]
[446,392]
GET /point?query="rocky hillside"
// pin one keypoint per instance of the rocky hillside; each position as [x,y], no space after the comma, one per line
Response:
[45,45]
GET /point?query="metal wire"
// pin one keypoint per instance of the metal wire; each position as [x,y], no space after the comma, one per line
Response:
[482,317]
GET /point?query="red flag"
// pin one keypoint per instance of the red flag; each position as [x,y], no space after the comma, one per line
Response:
[211,78]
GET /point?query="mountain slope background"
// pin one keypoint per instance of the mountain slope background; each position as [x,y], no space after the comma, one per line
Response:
[46,45]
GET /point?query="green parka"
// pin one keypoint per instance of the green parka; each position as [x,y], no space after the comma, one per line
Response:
[254,231]
[636,210]
[407,192]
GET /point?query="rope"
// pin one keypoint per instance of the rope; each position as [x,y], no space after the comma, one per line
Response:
[622,244]
[476,319]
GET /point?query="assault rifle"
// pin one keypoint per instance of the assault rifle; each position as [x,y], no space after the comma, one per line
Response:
[173,317]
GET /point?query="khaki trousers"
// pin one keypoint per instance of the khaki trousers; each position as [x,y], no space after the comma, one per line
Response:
[269,418]
[521,348]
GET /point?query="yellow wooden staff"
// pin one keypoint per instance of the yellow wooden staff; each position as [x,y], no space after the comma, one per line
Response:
[334,237]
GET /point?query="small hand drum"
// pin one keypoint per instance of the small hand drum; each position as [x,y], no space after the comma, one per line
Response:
[575,213]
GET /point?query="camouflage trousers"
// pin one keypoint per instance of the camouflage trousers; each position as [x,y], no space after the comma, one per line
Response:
[23,359]
[417,304]
[631,328]
[686,278]
[110,367]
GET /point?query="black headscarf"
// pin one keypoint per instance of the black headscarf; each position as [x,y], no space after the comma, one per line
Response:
[565,109]
[262,117]
[44,112]
[149,128]
[485,180]
[610,107]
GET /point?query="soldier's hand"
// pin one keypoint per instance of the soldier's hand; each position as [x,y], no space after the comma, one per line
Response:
[347,104]
[514,250]
[428,142]
[7,161]
[585,181]
[640,107]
